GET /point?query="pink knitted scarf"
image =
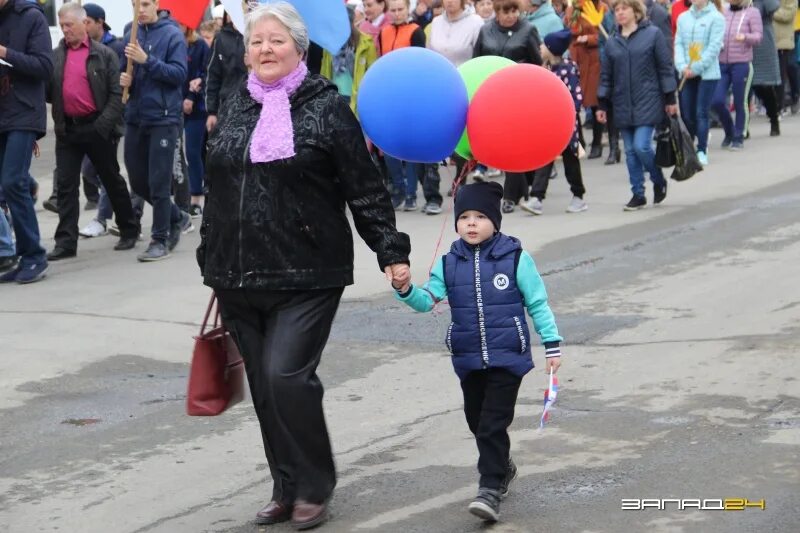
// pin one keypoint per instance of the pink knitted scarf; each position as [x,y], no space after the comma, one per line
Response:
[273,138]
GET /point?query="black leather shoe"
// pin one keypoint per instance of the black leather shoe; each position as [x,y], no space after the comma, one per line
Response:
[613,156]
[125,243]
[596,152]
[60,253]
[273,513]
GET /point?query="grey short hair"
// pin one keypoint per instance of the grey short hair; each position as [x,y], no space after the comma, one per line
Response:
[287,15]
[72,8]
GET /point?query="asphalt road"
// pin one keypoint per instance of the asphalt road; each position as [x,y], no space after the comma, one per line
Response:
[680,378]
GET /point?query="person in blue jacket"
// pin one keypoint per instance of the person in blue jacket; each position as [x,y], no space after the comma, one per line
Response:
[153,117]
[489,281]
[27,54]
[194,111]
[700,31]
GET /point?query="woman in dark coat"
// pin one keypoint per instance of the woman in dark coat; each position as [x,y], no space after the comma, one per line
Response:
[287,157]
[637,80]
[516,39]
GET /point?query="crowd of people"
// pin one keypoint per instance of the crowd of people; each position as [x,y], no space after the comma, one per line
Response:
[698,56]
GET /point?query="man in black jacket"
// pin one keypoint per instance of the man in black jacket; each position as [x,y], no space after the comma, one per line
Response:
[87,112]
[226,70]
[26,51]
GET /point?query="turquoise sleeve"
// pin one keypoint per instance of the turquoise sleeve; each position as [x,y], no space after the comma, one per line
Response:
[534,295]
[423,299]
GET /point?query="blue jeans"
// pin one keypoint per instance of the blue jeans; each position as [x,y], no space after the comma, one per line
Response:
[149,158]
[739,75]
[195,129]
[695,103]
[640,157]
[16,150]
[6,242]
[405,176]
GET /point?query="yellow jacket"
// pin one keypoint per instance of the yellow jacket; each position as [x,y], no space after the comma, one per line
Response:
[365,56]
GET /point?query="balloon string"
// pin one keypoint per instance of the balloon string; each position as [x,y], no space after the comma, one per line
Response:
[468,167]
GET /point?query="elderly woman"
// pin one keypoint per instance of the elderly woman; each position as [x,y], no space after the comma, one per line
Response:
[514,38]
[277,248]
[638,81]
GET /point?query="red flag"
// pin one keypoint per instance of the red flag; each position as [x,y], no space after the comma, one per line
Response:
[187,12]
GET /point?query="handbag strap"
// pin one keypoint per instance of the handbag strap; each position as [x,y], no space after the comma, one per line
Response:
[211,303]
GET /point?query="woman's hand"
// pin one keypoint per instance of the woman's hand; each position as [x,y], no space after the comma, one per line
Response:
[399,275]
[688,73]
[211,123]
[600,116]
[188,106]
[195,84]
[552,362]
[671,110]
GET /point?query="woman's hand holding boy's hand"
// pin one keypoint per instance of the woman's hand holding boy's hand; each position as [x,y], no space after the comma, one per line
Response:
[552,363]
[399,275]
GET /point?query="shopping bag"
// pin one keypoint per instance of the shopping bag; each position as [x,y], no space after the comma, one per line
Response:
[665,151]
[216,377]
[686,162]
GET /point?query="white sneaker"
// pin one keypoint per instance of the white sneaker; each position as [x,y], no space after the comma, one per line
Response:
[702,157]
[476,175]
[493,173]
[577,205]
[95,228]
[532,206]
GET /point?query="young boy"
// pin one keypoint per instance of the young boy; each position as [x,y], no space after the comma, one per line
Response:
[489,281]
[552,50]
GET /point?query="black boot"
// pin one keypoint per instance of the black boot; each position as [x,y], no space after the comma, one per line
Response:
[774,127]
[613,146]
[597,141]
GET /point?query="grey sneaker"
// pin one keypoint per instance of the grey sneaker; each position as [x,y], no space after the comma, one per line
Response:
[508,206]
[432,208]
[155,252]
[532,206]
[410,205]
[577,205]
[176,229]
[511,475]
[736,146]
[486,505]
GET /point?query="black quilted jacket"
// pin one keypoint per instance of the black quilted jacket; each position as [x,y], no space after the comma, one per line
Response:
[282,225]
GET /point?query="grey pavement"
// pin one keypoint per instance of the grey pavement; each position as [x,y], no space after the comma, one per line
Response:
[680,376]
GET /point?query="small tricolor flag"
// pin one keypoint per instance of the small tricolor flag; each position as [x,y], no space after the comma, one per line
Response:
[549,399]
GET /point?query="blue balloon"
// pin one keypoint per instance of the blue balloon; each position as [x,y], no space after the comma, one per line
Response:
[413,105]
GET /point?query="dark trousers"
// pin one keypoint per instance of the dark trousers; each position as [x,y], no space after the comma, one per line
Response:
[195,130]
[150,158]
[489,399]
[180,176]
[789,77]
[768,94]
[428,174]
[736,76]
[79,142]
[517,185]
[16,151]
[281,335]
[572,169]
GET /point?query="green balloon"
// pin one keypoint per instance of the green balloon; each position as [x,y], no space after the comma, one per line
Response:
[474,72]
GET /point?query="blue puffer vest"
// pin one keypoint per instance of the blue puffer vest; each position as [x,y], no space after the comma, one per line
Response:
[489,328]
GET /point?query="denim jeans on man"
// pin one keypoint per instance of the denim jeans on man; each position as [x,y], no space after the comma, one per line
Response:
[429,176]
[16,151]
[6,242]
[695,100]
[640,158]
[739,75]
[149,158]
[404,178]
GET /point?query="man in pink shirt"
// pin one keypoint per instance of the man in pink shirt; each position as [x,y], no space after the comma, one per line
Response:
[87,113]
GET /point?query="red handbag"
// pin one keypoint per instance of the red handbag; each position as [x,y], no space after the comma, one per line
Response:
[216,377]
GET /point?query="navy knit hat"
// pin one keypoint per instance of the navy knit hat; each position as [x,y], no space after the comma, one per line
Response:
[558,42]
[484,197]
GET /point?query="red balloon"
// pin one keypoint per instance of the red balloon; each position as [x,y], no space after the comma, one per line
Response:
[520,119]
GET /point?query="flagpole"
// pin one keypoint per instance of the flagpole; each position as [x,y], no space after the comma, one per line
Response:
[134,36]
